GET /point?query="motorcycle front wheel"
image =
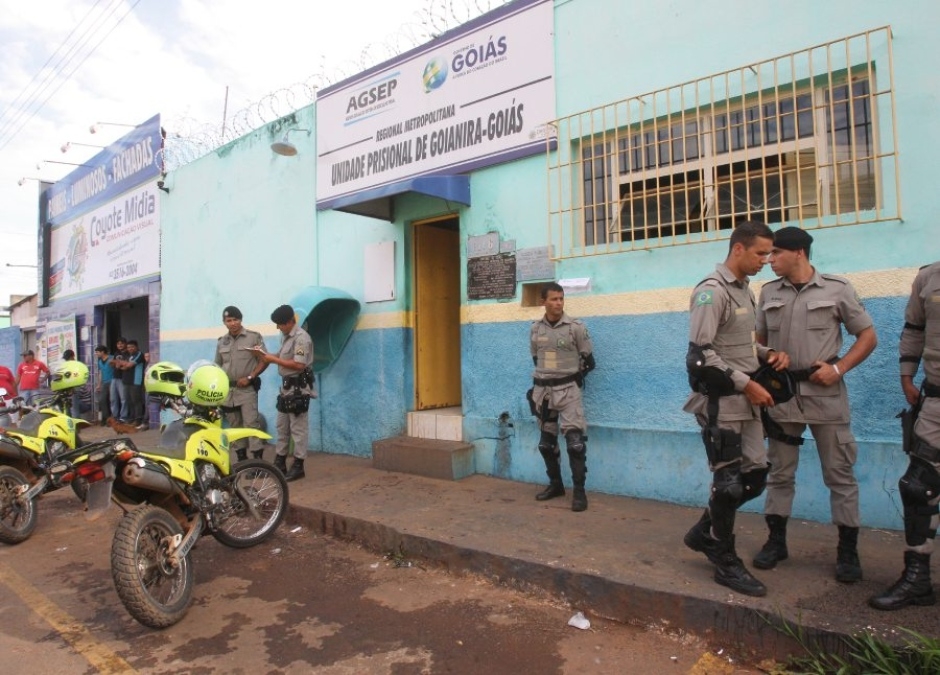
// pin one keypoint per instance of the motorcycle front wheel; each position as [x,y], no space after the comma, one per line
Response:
[152,590]
[17,517]
[240,524]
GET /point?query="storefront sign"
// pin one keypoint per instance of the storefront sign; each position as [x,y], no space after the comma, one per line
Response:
[113,244]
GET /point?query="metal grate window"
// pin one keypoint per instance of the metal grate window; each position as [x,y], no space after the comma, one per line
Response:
[808,139]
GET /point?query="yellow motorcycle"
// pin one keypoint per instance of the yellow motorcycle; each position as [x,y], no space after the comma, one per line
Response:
[44,435]
[174,493]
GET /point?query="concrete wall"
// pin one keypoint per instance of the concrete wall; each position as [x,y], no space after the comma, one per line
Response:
[240,227]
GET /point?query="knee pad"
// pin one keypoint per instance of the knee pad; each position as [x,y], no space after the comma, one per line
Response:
[753,483]
[575,442]
[727,487]
[548,445]
[918,487]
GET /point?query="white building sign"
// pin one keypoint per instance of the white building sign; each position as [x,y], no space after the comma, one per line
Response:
[477,97]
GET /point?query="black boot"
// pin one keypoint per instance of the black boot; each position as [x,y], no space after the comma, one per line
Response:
[913,588]
[577,459]
[775,549]
[699,539]
[554,489]
[848,566]
[548,450]
[296,470]
[731,572]
[280,463]
[241,455]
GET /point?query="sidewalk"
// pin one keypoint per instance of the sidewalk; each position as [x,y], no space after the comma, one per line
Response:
[622,559]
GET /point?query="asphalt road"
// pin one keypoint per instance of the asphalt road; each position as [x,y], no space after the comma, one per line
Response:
[302,603]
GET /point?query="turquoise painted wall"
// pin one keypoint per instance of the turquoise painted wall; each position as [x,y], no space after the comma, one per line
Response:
[240,226]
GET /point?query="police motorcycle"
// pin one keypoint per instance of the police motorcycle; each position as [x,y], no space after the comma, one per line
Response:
[174,493]
[44,435]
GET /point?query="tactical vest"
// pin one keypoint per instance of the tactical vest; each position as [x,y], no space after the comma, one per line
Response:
[734,340]
[557,351]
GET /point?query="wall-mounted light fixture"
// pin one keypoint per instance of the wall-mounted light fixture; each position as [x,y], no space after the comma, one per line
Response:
[284,146]
[52,161]
[93,129]
[68,144]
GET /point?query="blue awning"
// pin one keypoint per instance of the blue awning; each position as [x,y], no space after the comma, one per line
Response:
[377,202]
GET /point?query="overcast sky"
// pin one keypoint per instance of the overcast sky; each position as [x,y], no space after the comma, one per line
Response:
[173,57]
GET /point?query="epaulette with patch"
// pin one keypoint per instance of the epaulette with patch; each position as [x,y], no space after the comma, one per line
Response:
[834,277]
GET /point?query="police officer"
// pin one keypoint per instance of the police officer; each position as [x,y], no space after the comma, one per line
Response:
[802,313]
[563,354]
[920,484]
[294,361]
[722,353]
[236,354]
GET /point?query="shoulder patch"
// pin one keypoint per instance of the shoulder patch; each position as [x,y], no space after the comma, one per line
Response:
[704,297]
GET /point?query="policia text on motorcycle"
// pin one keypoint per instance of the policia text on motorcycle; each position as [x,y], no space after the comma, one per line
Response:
[563,355]
[725,400]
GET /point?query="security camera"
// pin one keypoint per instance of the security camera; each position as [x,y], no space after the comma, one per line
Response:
[65,147]
[92,129]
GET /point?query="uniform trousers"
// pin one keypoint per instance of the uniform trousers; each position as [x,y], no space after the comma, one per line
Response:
[293,426]
[837,451]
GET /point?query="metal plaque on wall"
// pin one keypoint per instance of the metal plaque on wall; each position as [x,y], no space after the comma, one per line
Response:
[491,277]
[534,263]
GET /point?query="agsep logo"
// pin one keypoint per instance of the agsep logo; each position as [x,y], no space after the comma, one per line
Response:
[435,74]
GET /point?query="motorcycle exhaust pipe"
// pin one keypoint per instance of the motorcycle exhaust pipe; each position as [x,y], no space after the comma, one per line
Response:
[147,478]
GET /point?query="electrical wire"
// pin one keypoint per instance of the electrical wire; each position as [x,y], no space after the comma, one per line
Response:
[10,135]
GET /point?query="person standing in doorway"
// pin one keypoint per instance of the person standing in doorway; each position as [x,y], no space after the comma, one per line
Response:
[103,386]
[132,375]
[118,395]
[29,376]
[723,352]
[236,353]
[563,355]
[802,313]
[294,364]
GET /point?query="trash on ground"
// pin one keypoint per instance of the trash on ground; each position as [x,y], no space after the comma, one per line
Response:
[579,621]
[275,551]
[296,529]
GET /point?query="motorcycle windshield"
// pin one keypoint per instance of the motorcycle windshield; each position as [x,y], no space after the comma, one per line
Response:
[176,434]
[29,425]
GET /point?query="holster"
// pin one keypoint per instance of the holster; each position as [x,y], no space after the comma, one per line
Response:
[908,419]
[721,445]
[293,403]
[533,408]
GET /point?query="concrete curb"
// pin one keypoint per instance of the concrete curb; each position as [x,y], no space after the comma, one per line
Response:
[719,623]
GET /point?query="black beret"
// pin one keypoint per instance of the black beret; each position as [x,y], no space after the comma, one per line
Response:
[792,239]
[233,312]
[282,314]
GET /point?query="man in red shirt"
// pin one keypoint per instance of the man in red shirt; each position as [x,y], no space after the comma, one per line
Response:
[7,382]
[28,374]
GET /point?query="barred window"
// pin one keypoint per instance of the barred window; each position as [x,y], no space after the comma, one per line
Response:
[805,139]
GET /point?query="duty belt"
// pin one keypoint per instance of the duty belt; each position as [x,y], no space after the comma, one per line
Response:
[931,390]
[925,452]
[556,381]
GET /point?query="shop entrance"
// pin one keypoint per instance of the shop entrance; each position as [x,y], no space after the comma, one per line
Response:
[437,313]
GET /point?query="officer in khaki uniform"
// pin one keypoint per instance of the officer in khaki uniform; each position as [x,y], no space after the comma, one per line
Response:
[235,353]
[563,354]
[919,487]
[802,312]
[723,353]
[294,360]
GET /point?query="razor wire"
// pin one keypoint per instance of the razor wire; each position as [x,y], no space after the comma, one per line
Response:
[191,139]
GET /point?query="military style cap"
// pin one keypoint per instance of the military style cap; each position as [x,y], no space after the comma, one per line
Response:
[232,312]
[282,314]
[792,239]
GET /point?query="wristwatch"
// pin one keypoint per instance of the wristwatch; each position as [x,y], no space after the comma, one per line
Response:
[251,377]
